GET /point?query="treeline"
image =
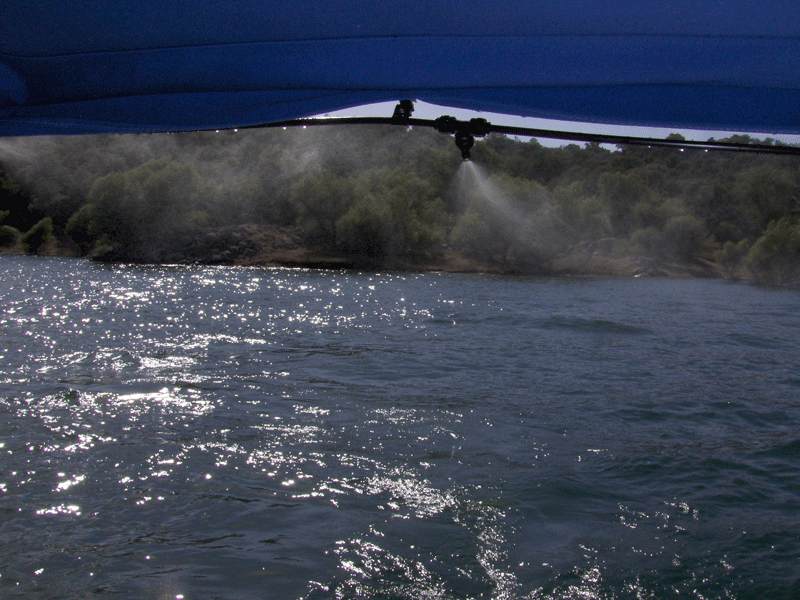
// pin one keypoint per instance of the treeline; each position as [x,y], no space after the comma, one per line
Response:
[391,196]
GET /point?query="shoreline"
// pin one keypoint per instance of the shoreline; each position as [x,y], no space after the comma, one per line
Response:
[573,264]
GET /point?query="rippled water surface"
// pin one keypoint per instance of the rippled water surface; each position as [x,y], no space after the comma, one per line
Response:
[252,433]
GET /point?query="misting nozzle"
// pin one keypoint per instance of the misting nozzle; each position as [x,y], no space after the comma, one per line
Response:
[464,141]
[465,131]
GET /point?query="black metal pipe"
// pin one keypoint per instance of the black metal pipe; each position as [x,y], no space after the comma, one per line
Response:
[481,128]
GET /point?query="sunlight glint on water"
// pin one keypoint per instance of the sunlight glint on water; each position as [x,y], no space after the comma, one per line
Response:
[213,432]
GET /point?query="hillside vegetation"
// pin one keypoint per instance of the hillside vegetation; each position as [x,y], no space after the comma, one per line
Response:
[393,197]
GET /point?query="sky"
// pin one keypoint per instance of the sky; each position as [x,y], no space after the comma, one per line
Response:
[423,110]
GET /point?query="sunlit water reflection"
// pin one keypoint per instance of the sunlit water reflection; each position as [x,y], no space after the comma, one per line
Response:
[240,433]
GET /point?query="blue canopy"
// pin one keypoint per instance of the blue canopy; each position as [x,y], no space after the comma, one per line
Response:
[82,66]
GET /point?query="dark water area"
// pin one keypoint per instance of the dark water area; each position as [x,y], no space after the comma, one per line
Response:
[176,433]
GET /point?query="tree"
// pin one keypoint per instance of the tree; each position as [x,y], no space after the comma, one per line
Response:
[731,255]
[38,235]
[775,256]
[585,217]
[511,221]
[684,237]
[395,216]
[364,231]
[648,240]
[321,199]
[8,235]
[621,192]
[473,236]
[81,229]
[16,203]
[767,194]
[145,213]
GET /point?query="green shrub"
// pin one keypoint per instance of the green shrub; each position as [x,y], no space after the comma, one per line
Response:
[37,236]
[774,258]
[8,235]
[81,230]
[684,237]
[731,255]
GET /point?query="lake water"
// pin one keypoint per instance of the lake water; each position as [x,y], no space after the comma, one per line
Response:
[179,432]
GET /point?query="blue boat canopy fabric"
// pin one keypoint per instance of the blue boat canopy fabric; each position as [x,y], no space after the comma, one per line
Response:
[82,66]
